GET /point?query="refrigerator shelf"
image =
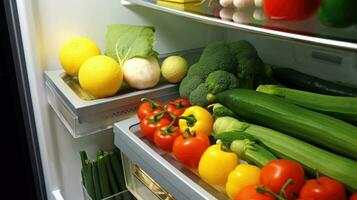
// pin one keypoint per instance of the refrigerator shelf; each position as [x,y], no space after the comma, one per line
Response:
[303,29]
[84,116]
[173,177]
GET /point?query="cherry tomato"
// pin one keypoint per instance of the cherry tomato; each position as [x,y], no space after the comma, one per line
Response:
[353,197]
[152,122]
[250,193]
[189,149]
[290,10]
[322,189]
[164,137]
[147,108]
[277,172]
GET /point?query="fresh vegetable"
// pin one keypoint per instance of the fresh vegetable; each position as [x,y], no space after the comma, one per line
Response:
[251,193]
[87,177]
[290,10]
[276,173]
[340,107]
[165,136]
[338,13]
[246,148]
[199,95]
[100,81]
[241,177]
[251,71]
[284,146]
[103,178]
[227,123]
[75,51]
[218,110]
[178,106]
[216,164]
[152,122]
[297,80]
[196,119]
[115,159]
[220,80]
[113,184]
[124,42]
[188,84]
[353,197]
[189,147]
[299,122]
[174,68]
[148,107]
[96,181]
[141,73]
[323,188]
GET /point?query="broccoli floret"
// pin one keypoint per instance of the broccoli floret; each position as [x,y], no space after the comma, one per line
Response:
[188,84]
[200,70]
[251,73]
[199,95]
[217,56]
[243,49]
[220,80]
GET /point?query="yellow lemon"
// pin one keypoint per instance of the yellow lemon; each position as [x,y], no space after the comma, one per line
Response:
[174,68]
[100,76]
[75,52]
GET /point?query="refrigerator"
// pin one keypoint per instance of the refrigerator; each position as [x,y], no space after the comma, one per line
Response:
[62,123]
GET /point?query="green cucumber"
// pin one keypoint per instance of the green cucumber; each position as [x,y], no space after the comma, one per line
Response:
[297,80]
[310,126]
[118,171]
[341,107]
[113,183]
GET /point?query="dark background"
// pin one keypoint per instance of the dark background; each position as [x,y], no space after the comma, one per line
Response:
[18,180]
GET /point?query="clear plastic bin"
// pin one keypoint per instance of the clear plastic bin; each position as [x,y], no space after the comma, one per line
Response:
[123,195]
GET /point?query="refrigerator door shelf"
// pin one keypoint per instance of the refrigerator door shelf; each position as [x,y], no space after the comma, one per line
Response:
[173,177]
[84,116]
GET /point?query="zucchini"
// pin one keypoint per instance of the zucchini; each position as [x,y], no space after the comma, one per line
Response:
[96,181]
[341,107]
[103,178]
[86,172]
[299,122]
[297,80]
[309,156]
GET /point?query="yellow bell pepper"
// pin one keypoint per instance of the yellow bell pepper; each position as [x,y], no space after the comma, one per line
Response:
[216,164]
[242,176]
[196,118]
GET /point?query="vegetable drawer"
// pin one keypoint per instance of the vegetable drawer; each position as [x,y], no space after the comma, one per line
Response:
[173,177]
[82,115]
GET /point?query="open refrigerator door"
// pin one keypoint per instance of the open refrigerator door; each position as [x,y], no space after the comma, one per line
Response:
[315,38]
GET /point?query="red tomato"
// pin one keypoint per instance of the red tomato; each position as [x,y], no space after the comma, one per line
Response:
[178,106]
[322,189]
[275,174]
[189,150]
[250,193]
[353,197]
[164,138]
[147,108]
[291,9]
[150,123]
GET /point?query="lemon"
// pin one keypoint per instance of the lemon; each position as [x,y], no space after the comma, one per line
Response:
[75,52]
[100,76]
[174,68]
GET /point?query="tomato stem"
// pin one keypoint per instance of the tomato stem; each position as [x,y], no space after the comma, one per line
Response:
[263,190]
[283,189]
[317,176]
[153,103]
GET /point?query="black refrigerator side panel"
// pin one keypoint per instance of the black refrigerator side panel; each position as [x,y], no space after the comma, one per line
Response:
[21,162]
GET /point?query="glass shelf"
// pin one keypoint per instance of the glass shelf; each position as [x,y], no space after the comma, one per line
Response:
[317,22]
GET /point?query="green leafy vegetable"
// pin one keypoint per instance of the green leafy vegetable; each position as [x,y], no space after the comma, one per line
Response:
[126,41]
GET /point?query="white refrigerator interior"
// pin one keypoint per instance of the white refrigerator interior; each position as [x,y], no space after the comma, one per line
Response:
[47,24]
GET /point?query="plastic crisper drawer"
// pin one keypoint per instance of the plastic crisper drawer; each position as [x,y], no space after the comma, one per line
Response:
[177,180]
[83,115]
